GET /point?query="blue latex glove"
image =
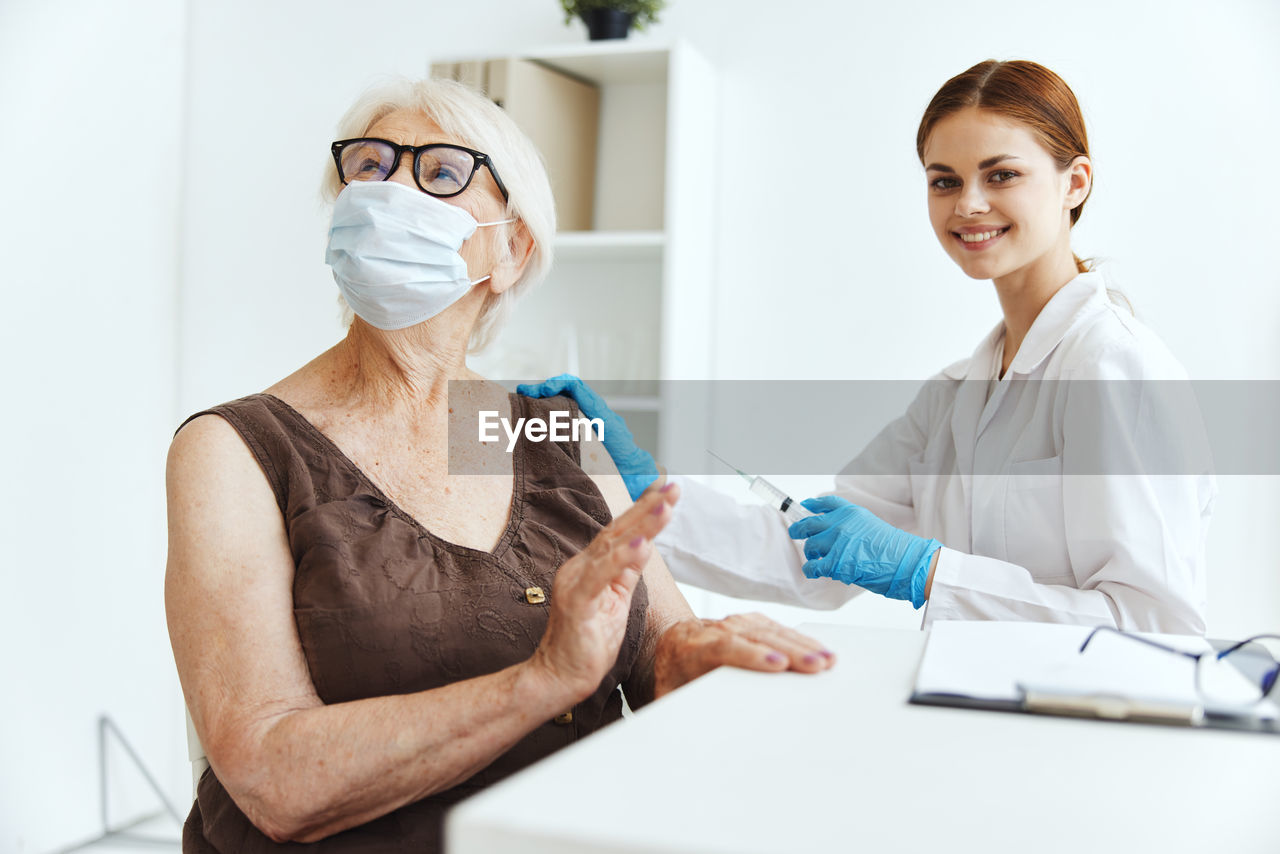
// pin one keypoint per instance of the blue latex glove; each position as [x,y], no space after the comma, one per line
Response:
[635,464]
[851,544]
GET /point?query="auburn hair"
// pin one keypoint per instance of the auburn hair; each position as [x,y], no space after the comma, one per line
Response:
[1025,92]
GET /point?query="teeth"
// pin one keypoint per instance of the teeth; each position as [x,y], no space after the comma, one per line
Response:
[979,237]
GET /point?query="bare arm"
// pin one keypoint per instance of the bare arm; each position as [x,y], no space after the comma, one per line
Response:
[302,770]
[678,647]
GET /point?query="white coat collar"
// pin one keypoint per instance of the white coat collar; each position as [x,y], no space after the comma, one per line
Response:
[1080,296]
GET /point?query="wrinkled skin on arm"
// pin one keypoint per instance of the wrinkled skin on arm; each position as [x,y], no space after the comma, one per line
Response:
[302,770]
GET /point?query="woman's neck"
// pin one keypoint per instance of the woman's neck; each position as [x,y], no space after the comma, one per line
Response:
[404,368]
[1025,292]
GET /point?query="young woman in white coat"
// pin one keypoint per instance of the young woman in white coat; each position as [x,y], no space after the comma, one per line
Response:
[1020,483]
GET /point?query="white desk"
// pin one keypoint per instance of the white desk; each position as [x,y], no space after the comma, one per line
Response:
[743,762]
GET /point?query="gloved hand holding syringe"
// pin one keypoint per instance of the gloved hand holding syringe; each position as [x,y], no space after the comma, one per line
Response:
[775,497]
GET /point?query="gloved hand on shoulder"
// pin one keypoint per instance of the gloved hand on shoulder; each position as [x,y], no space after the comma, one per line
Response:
[635,464]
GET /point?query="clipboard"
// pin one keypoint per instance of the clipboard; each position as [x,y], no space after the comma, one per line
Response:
[1037,668]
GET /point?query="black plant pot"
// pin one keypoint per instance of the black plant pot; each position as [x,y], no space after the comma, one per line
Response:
[603,23]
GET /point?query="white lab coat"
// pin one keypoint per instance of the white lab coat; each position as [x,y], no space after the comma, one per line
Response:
[1021,541]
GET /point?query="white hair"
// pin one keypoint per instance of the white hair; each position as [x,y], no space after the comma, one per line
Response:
[476,122]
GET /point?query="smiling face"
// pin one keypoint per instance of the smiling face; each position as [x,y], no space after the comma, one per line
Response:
[998,202]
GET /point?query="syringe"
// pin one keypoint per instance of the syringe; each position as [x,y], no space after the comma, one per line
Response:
[771,494]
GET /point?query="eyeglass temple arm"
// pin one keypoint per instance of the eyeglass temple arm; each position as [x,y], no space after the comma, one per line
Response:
[1140,639]
[1245,642]
[488,164]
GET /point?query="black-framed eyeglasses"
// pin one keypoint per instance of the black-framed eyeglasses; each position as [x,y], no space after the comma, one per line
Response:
[440,169]
[1243,673]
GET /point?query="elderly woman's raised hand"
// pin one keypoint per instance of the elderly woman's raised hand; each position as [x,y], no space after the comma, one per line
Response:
[591,597]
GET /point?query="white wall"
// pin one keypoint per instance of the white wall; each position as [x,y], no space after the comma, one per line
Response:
[1179,99]
[841,269]
[90,120]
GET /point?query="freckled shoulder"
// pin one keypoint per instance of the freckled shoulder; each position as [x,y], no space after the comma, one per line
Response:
[597,463]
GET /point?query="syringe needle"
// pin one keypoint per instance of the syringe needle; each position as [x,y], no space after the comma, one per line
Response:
[775,497]
[745,476]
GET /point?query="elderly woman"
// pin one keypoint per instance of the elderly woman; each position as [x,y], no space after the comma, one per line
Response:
[364,635]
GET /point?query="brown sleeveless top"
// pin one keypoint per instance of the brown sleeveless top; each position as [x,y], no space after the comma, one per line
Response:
[383,606]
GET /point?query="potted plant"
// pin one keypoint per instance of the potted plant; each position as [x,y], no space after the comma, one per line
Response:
[612,19]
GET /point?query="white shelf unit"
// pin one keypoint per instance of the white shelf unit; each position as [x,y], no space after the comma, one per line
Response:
[628,302]
[574,246]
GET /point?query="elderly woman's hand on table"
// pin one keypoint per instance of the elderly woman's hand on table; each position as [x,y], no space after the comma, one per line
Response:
[680,647]
[693,647]
[589,606]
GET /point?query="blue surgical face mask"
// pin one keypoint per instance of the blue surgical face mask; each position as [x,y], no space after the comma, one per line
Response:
[394,252]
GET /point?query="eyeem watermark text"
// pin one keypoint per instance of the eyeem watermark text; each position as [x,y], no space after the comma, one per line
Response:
[560,427]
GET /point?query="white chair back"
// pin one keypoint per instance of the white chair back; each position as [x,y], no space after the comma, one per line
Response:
[195,752]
